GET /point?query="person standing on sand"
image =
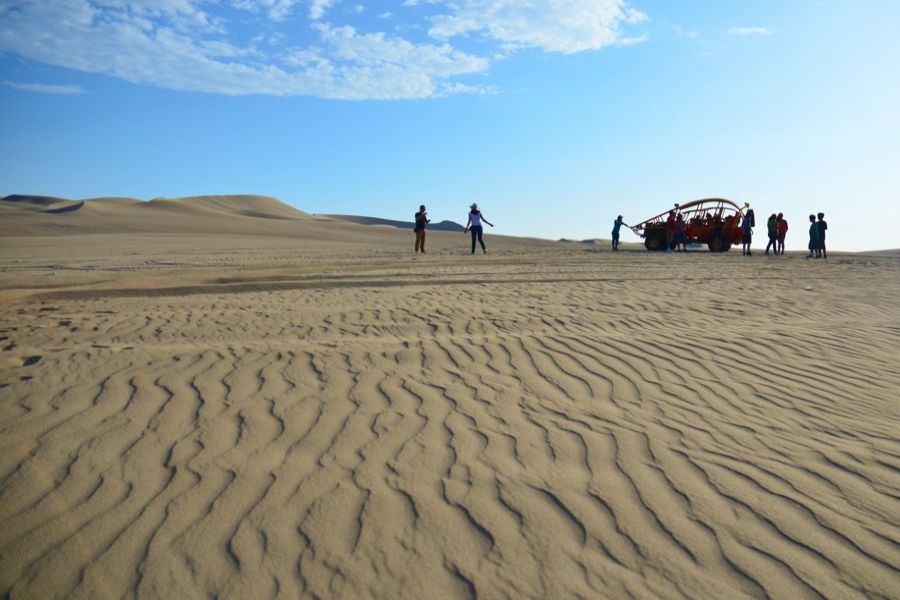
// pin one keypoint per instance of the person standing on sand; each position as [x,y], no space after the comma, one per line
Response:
[670,231]
[474,223]
[747,233]
[772,227]
[421,222]
[680,236]
[813,236]
[617,224]
[823,227]
[718,232]
[782,232]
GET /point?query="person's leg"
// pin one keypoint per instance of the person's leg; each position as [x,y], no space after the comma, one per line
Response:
[824,251]
[422,245]
[481,239]
[418,239]
[474,237]
[615,243]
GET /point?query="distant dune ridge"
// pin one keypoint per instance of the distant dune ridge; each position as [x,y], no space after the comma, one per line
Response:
[439,226]
[40,215]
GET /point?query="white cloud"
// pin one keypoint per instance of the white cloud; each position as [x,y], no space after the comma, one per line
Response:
[566,26]
[191,44]
[318,7]
[44,88]
[738,31]
[276,10]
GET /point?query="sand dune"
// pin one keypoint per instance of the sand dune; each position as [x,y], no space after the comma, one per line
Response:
[256,416]
[267,219]
[246,215]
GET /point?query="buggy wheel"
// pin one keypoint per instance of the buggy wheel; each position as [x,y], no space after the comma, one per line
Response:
[655,241]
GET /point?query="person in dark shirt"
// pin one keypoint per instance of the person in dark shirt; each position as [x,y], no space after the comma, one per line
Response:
[718,233]
[747,233]
[670,231]
[680,234]
[421,222]
[823,227]
[617,225]
[772,228]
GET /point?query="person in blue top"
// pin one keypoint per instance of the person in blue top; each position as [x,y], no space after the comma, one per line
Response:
[617,225]
[747,232]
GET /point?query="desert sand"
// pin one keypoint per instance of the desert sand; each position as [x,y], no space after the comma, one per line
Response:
[225,397]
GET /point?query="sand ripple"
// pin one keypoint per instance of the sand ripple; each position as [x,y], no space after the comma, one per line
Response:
[551,432]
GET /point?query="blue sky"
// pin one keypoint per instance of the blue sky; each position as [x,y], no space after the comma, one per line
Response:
[555,116]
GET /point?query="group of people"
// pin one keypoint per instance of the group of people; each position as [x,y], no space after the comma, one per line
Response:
[676,237]
[776,227]
[473,225]
[817,231]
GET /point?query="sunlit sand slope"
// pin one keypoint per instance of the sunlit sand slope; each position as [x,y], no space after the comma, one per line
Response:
[524,426]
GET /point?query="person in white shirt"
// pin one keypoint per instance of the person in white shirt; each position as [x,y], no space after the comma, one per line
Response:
[474,224]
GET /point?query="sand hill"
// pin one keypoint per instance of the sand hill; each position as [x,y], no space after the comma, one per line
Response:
[41,215]
[233,215]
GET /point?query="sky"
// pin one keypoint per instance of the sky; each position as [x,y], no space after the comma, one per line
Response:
[554,116]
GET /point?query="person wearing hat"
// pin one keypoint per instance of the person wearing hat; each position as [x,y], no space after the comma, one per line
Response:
[474,223]
[617,224]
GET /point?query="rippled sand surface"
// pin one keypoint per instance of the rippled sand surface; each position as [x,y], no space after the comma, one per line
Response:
[188,419]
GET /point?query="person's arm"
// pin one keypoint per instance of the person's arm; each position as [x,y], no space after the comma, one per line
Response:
[469,222]
[486,221]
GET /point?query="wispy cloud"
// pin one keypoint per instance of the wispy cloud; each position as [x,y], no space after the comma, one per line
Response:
[566,26]
[197,45]
[739,31]
[44,88]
